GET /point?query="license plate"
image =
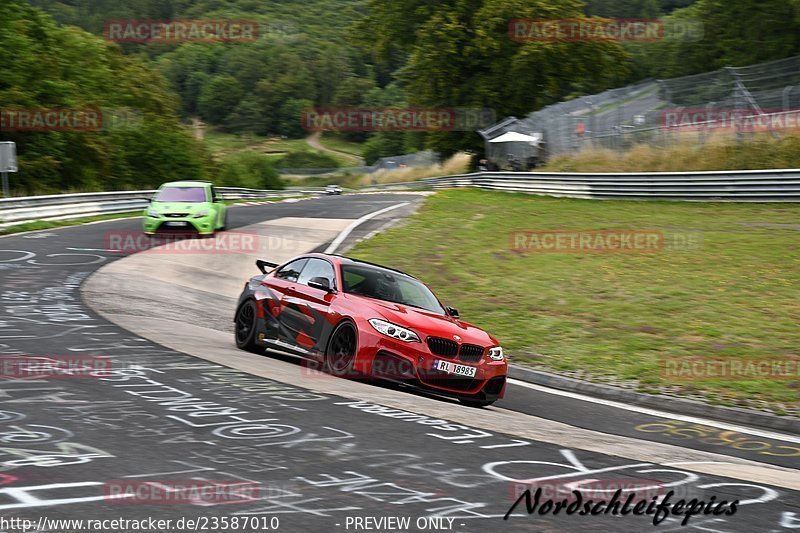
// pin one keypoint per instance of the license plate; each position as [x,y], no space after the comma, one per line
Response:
[177,224]
[454,368]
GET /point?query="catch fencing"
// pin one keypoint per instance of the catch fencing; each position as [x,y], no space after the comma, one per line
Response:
[663,113]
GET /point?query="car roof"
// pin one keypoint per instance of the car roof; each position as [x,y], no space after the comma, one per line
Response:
[343,260]
[187,183]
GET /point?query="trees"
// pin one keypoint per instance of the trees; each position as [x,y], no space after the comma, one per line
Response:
[459,54]
[249,170]
[56,67]
[300,55]
[219,97]
[631,9]
[419,53]
[734,33]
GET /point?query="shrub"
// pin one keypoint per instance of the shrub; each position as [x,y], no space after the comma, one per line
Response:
[249,170]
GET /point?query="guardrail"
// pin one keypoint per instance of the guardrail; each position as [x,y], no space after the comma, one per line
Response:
[735,186]
[14,211]
[730,186]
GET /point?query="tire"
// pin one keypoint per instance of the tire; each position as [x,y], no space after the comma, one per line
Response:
[340,354]
[224,222]
[472,402]
[245,324]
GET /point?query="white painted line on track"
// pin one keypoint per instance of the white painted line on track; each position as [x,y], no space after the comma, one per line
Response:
[94,250]
[349,229]
[660,414]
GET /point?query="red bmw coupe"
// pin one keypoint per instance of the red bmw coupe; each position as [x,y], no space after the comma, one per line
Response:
[358,319]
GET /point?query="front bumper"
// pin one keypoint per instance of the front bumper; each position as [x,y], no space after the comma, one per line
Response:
[202,225]
[412,363]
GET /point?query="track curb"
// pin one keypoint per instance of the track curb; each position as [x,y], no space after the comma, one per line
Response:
[657,401]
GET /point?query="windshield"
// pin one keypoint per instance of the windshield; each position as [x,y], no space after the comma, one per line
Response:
[384,284]
[182,194]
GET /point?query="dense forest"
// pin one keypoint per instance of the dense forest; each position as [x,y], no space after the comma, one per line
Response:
[49,66]
[329,53]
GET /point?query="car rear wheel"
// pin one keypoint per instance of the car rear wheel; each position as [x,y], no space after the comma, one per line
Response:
[341,353]
[246,327]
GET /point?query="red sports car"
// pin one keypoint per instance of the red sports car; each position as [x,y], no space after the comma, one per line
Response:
[357,319]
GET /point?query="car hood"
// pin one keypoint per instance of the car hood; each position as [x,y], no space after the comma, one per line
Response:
[425,323]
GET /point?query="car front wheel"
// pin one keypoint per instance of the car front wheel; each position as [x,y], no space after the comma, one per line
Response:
[342,347]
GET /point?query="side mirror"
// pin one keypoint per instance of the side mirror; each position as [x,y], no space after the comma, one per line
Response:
[320,283]
[452,311]
[218,199]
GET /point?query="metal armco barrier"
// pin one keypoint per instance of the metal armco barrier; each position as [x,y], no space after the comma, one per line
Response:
[728,186]
[718,186]
[15,211]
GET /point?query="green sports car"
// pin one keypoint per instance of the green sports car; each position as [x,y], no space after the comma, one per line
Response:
[186,206]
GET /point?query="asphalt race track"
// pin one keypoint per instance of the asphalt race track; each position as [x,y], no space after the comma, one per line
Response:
[320,454]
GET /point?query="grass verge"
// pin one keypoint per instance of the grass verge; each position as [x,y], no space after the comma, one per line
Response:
[37,225]
[616,317]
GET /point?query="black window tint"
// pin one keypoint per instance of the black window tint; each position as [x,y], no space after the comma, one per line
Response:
[182,195]
[388,285]
[318,268]
[291,271]
[351,279]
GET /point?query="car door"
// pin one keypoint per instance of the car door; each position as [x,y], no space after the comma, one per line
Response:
[306,309]
[219,208]
[282,283]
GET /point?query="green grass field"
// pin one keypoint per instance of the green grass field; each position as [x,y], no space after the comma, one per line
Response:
[221,144]
[616,317]
[335,141]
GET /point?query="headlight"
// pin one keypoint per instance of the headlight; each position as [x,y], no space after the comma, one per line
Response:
[496,354]
[394,331]
[201,214]
[153,213]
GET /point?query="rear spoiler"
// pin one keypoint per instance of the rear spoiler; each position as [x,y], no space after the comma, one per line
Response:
[264,265]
